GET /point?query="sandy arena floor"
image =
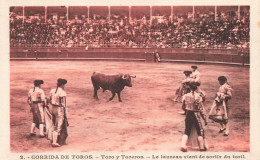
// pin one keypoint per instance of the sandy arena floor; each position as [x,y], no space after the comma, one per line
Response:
[146,120]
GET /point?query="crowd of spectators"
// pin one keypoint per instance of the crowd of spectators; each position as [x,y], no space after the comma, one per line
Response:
[204,32]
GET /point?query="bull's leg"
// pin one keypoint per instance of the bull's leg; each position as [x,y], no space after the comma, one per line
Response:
[95,86]
[119,98]
[113,95]
[95,93]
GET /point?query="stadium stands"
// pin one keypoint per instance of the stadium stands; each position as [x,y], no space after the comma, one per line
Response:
[227,32]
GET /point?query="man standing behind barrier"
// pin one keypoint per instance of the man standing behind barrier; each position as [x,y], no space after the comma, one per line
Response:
[36,99]
[59,112]
[157,57]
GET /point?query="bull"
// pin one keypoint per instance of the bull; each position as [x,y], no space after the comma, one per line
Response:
[113,83]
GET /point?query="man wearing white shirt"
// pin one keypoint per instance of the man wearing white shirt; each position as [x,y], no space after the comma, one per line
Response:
[195,74]
[59,103]
[36,99]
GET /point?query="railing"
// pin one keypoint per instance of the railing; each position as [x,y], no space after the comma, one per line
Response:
[110,45]
[124,50]
[169,55]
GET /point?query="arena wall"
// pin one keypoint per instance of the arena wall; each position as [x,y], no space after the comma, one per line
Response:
[229,56]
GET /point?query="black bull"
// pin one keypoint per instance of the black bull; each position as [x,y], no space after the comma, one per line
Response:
[114,83]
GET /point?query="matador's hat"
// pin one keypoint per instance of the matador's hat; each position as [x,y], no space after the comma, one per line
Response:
[61,81]
[187,73]
[222,78]
[195,67]
[38,82]
[193,86]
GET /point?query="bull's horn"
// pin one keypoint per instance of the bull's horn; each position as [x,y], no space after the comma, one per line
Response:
[123,77]
[133,76]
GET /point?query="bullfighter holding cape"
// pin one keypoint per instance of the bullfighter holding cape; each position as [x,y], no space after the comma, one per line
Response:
[36,100]
[194,132]
[183,87]
[59,114]
[219,109]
